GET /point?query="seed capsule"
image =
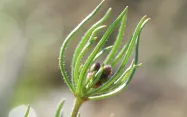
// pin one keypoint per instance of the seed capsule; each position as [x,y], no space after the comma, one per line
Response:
[95,67]
[107,71]
[105,74]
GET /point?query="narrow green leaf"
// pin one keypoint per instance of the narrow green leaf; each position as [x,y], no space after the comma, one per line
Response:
[95,51]
[102,52]
[87,35]
[80,68]
[126,57]
[59,109]
[27,112]
[125,79]
[120,55]
[120,36]
[136,51]
[78,61]
[64,46]
[128,71]
[85,38]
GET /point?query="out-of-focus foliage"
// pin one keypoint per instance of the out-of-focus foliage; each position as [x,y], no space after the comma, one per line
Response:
[32,31]
[22,111]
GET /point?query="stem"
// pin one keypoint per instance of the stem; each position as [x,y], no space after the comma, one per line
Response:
[77,104]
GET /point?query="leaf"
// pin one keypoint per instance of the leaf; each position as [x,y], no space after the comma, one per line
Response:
[136,51]
[95,51]
[59,109]
[120,36]
[126,57]
[120,54]
[27,112]
[102,52]
[78,61]
[84,40]
[64,46]
[22,111]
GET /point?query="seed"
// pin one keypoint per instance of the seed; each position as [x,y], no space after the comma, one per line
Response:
[107,71]
[95,67]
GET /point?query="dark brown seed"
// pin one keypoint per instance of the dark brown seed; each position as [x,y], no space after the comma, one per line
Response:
[95,67]
[105,75]
[107,71]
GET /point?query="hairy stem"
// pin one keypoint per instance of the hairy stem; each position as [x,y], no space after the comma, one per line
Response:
[77,104]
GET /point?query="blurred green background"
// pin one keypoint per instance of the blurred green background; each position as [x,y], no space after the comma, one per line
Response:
[32,31]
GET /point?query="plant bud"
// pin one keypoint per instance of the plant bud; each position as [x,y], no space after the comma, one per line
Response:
[90,74]
[105,74]
[107,71]
[98,84]
[95,67]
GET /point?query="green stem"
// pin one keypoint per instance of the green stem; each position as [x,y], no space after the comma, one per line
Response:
[77,104]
